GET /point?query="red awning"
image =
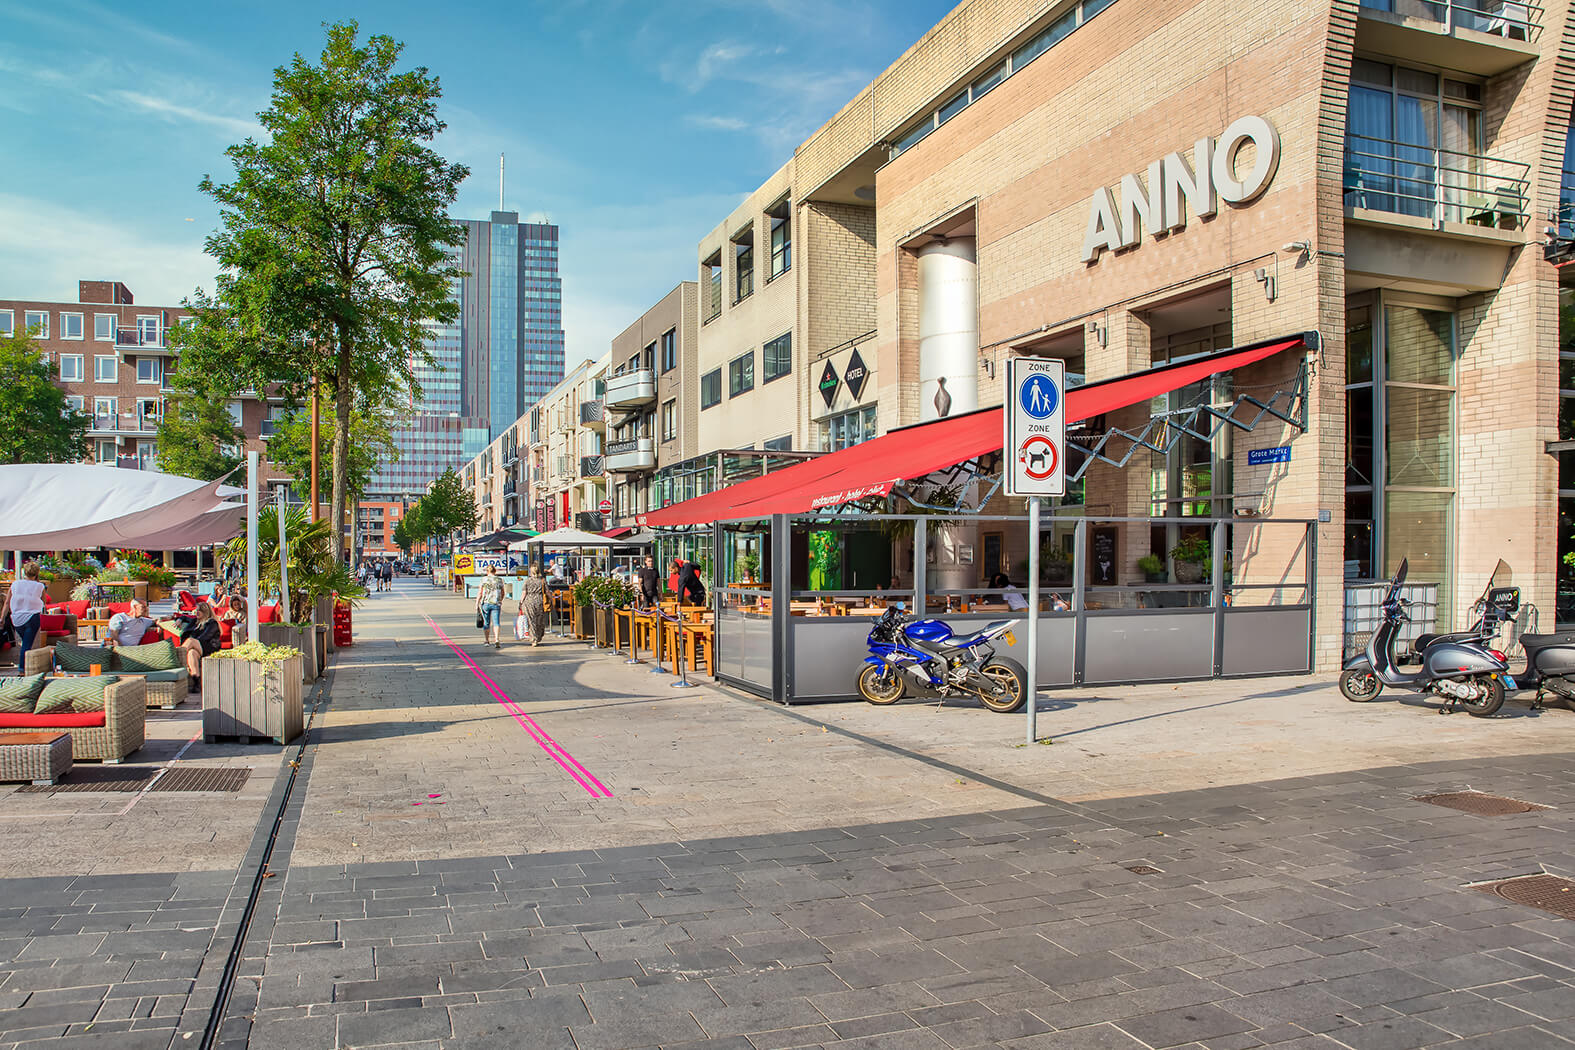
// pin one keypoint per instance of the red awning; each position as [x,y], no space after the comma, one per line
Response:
[616,534]
[874,467]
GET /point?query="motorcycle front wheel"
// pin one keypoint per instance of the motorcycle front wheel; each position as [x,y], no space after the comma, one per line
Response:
[880,685]
[1488,701]
[1007,676]
[1360,686]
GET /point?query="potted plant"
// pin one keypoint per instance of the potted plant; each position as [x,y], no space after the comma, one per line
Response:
[253,690]
[610,594]
[582,594]
[1192,557]
[1152,566]
[748,565]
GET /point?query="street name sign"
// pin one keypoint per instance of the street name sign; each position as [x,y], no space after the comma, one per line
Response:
[1034,422]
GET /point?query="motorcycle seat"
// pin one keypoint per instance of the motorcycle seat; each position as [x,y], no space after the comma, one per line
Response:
[964,641]
[1542,641]
[1425,640]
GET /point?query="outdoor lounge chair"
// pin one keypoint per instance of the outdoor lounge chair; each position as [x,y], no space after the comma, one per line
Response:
[108,735]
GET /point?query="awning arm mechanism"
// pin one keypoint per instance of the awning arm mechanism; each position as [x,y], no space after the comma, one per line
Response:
[984,469]
[1204,422]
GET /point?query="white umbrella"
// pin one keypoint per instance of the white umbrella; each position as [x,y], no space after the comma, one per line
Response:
[48,506]
[563,539]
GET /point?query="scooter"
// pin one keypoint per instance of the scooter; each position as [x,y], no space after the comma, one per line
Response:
[1466,673]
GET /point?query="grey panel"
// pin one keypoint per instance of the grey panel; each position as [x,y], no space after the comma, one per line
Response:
[1057,640]
[743,647]
[827,654]
[1266,640]
[1149,646]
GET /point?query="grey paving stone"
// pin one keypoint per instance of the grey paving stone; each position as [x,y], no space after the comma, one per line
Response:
[1187,1024]
[391,1026]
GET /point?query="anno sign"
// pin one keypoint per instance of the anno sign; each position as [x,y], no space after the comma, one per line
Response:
[1176,189]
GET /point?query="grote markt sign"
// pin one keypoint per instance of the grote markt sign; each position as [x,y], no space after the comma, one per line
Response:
[1177,189]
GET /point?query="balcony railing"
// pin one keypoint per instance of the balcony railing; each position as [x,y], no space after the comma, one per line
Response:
[592,466]
[628,389]
[592,413]
[510,486]
[1440,185]
[1510,19]
[631,455]
[143,338]
[123,423]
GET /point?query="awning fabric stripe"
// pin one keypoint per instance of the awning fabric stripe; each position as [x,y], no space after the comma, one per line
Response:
[874,467]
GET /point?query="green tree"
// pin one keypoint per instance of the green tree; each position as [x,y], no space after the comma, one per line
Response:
[371,444]
[447,506]
[334,241]
[197,437]
[402,537]
[37,424]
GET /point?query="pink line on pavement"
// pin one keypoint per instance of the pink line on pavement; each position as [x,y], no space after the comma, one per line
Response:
[569,763]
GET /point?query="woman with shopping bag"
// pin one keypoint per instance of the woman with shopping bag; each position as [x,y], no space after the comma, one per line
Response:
[532,619]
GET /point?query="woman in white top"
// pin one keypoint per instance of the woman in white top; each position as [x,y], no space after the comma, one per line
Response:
[24,602]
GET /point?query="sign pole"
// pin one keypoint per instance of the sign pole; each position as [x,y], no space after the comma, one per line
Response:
[252,597]
[1033,617]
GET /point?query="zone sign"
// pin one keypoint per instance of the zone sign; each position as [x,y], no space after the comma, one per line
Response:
[1034,420]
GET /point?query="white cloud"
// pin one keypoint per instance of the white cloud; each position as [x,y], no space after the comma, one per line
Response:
[713,122]
[176,111]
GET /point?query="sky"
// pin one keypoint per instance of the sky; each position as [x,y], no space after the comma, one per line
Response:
[635,126]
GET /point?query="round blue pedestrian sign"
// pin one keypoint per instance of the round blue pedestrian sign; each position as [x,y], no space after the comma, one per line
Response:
[1039,396]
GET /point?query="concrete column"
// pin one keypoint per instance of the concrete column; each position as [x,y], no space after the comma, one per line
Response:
[948,328]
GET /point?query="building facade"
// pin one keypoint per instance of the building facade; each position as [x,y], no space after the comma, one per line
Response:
[651,396]
[113,359]
[503,353]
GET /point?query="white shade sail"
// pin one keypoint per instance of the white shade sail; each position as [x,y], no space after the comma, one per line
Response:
[71,506]
[224,522]
[563,538]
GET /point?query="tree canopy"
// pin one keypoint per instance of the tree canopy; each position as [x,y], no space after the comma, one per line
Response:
[37,423]
[334,239]
[198,437]
[447,506]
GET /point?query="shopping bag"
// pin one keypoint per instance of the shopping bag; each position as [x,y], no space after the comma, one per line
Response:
[521,628]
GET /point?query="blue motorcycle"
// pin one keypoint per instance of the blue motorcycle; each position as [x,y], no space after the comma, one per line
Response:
[941,663]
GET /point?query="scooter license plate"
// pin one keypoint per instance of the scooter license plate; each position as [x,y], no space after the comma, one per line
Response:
[1011,639]
[1509,682]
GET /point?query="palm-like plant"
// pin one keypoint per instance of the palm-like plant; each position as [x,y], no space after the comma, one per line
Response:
[314,571]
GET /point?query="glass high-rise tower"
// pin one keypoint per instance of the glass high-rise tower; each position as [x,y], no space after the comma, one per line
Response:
[502,355]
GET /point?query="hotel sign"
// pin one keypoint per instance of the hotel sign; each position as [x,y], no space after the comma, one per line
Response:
[1176,189]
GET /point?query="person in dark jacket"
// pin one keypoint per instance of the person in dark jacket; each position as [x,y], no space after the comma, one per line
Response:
[199,636]
[650,582]
[690,589]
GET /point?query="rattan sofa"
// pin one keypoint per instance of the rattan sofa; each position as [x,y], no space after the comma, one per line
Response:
[123,731]
[164,689]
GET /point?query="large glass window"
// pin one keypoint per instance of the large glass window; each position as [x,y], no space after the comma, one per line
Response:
[743,264]
[741,374]
[711,388]
[1193,479]
[669,350]
[778,356]
[847,429]
[781,238]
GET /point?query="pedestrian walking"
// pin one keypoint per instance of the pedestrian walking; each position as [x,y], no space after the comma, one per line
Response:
[533,605]
[489,608]
[650,582]
[24,604]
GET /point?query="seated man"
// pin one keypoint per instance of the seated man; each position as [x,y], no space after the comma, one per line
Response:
[128,628]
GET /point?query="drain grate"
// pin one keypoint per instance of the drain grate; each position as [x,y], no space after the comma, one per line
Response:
[1549,893]
[203,778]
[96,778]
[1142,869]
[1483,805]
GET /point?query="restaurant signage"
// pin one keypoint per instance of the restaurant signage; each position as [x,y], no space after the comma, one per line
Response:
[1176,189]
[829,383]
[855,376]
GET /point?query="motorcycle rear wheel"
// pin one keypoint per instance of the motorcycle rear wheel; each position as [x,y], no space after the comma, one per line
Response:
[880,689]
[1360,686]
[1491,700]
[1013,679]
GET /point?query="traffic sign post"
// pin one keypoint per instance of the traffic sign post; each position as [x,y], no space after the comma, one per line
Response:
[1033,443]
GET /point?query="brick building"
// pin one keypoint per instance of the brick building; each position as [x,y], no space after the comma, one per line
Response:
[112,358]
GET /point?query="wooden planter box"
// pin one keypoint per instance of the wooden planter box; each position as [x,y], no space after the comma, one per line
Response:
[297,635]
[242,699]
[58,591]
[583,626]
[157,593]
[618,630]
[604,626]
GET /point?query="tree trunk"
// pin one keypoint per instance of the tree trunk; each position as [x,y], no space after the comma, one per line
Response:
[342,399]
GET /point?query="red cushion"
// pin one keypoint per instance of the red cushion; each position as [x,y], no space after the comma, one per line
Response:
[51,622]
[267,614]
[174,639]
[58,720]
[77,608]
[225,627]
[154,634]
[187,602]
[119,607]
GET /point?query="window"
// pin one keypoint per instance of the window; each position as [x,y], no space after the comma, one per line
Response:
[148,370]
[71,368]
[741,375]
[37,322]
[743,264]
[648,361]
[951,108]
[778,356]
[106,409]
[104,327]
[985,84]
[670,420]
[147,331]
[711,388]
[779,444]
[106,368]
[234,408]
[1052,35]
[7,323]
[106,451]
[70,326]
[780,217]
[74,402]
[713,285]
[149,410]
[669,350]
[847,429]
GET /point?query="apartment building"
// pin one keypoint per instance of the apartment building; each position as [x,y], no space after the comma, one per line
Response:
[651,399]
[112,357]
[375,523]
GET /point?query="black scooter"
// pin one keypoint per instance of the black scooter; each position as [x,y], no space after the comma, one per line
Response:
[1465,672]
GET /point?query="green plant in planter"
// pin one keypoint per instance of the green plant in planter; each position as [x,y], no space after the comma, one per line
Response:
[1196,550]
[584,590]
[612,591]
[271,657]
[748,566]
[1152,566]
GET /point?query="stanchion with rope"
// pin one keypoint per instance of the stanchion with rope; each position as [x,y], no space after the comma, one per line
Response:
[634,650]
[678,652]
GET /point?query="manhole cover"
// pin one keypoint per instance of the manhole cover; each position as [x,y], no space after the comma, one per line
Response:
[1477,802]
[1142,869]
[203,778]
[1546,892]
[96,778]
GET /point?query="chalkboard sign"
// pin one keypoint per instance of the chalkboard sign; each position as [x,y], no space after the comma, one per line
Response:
[1104,566]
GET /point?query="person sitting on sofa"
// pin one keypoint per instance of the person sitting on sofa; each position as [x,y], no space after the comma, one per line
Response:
[234,613]
[127,628]
[199,636]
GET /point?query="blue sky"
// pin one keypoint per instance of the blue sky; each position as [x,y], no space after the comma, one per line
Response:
[635,126]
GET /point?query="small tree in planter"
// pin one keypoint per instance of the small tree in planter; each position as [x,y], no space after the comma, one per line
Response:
[1152,566]
[1192,557]
[253,690]
[583,594]
[614,593]
[748,565]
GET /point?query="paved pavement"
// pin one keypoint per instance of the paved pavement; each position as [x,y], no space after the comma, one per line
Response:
[453,873]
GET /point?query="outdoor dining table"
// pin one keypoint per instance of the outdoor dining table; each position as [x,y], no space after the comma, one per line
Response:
[695,633]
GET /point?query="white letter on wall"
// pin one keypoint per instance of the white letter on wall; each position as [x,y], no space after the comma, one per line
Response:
[1195,182]
[1142,212]
[1262,135]
[1103,231]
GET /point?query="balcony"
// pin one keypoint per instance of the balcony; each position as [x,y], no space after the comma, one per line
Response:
[1485,37]
[105,424]
[592,466]
[510,486]
[631,389]
[633,455]
[593,414]
[1429,187]
[140,339]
